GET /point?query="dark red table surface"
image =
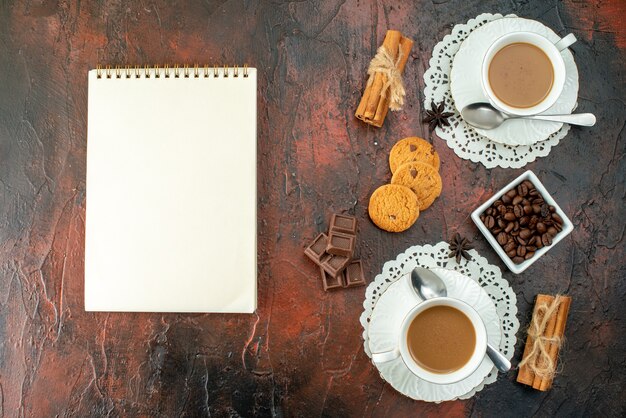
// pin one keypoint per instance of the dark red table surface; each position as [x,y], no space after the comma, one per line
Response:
[301,354]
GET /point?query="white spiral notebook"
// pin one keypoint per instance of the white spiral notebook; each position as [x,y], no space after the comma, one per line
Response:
[171,190]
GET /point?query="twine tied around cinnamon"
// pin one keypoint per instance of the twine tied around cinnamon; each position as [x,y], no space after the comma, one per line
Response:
[539,360]
[384,63]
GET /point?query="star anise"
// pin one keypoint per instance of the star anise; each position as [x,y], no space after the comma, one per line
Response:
[436,116]
[459,248]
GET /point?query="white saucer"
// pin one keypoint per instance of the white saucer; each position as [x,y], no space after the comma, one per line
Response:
[466,88]
[384,328]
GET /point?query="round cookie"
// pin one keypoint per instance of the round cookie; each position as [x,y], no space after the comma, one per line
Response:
[412,149]
[422,178]
[393,208]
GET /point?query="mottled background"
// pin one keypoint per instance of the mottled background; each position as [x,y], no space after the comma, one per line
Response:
[301,353]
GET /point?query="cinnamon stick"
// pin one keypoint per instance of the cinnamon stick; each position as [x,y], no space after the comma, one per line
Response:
[525,375]
[559,330]
[374,103]
[555,327]
[391,42]
[405,46]
[548,333]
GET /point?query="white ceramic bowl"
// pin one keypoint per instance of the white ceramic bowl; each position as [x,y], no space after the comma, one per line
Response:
[567,224]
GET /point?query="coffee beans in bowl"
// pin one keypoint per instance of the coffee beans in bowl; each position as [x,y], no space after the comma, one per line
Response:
[522,222]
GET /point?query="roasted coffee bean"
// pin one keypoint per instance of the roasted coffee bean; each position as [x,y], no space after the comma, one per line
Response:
[545,210]
[502,209]
[506,199]
[490,222]
[557,218]
[524,220]
[533,192]
[509,216]
[531,248]
[518,260]
[489,211]
[510,246]
[525,233]
[521,250]
[558,227]
[552,231]
[528,209]
[536,208]
[497,203]
[502,238]
[529,184]
[517,200]
[514,232]
[521,241]
[552,209]
[482,218]
[533,222]
[512,253]
[511,193]
[529,255]
[541,228]
[516,226]
[509,227]
[501,223]
[525,202]
[538,201]
[522,189]
[546,240]
[518,210]
[495,231]
[539,243]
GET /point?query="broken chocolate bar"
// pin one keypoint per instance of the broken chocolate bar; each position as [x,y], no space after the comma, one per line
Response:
[334,264]
[329,282]
[317,249]
[340,244]
[343,223]
[354,274]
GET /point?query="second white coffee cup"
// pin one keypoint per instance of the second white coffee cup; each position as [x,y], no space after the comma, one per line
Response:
[402,349]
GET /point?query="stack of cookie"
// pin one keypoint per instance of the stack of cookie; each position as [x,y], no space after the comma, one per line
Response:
[415,184]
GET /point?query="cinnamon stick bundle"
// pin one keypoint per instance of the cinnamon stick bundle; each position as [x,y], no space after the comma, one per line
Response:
[545,334]
[374,103]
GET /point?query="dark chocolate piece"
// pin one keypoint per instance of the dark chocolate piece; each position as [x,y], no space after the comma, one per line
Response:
[329,282]
[340,244]
[334,264]
[354,274]
[317,249]
[343,223]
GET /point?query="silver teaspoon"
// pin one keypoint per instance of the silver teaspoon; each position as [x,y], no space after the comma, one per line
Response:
[485,116]
[428,285]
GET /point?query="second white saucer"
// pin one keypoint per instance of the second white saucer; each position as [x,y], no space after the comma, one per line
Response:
[384,328]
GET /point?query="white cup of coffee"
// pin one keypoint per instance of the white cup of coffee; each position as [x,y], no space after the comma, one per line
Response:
[442,340]
[523,73]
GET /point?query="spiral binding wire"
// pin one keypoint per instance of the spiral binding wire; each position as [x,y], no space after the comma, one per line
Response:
[166,71]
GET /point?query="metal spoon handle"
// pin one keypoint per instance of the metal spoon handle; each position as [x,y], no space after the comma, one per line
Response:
[498,359]
[582,119]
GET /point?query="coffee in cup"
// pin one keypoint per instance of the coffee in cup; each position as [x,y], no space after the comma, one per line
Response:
[523,73]
[441,339]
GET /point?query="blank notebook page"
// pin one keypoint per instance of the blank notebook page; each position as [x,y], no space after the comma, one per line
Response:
[171,193]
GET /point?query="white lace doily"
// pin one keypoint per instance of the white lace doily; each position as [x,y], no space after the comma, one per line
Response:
[478,269]
[462,138]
